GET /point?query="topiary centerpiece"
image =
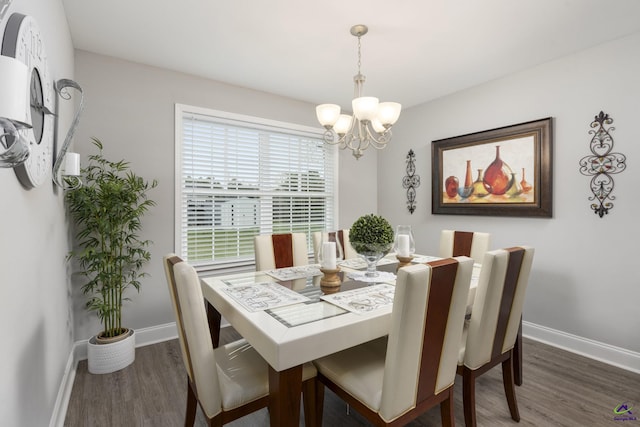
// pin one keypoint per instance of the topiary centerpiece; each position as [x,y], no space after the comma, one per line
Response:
[372,238]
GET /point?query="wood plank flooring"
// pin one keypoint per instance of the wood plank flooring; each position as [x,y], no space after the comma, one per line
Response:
[560,389]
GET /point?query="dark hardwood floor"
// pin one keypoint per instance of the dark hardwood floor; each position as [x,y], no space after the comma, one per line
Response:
[560,389]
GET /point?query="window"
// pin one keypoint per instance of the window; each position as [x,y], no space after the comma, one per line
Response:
[239,176]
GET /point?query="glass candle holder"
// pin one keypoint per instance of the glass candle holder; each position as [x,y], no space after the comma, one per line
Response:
[404,245]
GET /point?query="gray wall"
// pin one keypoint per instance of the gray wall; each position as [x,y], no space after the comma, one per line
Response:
[34,297]
[584,279]
[130,107]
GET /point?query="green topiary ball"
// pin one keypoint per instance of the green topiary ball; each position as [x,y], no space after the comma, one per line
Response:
[370,230]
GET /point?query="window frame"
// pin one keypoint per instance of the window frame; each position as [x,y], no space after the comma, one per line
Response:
[225,117]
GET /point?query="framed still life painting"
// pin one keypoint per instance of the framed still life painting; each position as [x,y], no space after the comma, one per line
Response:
[505,171]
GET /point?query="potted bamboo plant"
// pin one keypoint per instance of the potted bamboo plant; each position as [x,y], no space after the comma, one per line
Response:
[107,212]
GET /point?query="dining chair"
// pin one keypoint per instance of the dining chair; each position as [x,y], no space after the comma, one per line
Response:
[280,250]
[475,245]
[464,243]
[230,381]
[489,335]
[213,316]
[342,236]
[393,380]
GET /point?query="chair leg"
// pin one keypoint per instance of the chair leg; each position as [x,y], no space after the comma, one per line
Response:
[214,318]
[469,397]
[509,387]
[446,410]
[517,357]
[319,403]
[312,402]
[192,406]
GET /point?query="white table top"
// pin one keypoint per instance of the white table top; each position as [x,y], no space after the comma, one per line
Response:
[294,334]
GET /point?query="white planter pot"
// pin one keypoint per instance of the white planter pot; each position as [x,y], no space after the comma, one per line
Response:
[107,358]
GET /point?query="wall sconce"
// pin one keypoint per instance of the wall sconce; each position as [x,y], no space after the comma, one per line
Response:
[13,111]
[69,178]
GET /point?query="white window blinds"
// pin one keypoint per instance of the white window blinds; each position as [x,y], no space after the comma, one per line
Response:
[240,176]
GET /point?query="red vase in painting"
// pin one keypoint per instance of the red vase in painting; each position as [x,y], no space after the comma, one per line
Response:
[451,186]
[497,176]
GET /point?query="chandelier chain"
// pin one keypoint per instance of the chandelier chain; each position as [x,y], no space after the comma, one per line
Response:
[359,56]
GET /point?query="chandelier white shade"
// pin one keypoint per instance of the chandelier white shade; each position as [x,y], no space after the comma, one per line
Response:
[370,125]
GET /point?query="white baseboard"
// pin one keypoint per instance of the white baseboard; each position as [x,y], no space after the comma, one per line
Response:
[64,392]
[609,354]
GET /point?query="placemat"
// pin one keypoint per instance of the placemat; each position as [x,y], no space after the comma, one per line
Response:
[261,296]
[359,263]
[361,276]
[293,273]
[363,300]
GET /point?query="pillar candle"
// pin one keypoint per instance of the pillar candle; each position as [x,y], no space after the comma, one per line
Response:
[403,245]
[329,255]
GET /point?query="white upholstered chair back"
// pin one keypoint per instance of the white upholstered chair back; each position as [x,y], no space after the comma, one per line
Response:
[193,329]
[426,329]
[497,309]
[464,243]
[280,250]
[341,235]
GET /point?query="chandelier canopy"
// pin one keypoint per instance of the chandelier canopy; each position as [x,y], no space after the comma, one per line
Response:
[371,122]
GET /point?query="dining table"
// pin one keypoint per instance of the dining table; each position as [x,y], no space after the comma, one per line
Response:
[290,318]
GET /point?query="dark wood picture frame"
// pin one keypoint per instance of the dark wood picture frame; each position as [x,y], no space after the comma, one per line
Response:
[501,172]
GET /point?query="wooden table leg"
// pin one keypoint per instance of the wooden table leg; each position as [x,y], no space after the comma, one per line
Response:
[284,396]
[214,318]
[517,357]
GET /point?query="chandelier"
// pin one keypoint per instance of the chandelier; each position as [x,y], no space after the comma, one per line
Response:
[371,122]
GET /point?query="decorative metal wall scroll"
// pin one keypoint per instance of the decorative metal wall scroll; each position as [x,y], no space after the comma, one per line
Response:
[602,164]
[411,181]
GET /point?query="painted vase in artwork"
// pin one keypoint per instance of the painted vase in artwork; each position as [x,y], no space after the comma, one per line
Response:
[526,187]
[478,186]
[451,186]
[467,190]
[497,176]
[515,189]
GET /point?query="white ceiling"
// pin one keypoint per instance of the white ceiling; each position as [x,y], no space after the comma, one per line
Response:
[415,51]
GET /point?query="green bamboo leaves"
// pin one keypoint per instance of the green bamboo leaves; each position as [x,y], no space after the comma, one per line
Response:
[107,212]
